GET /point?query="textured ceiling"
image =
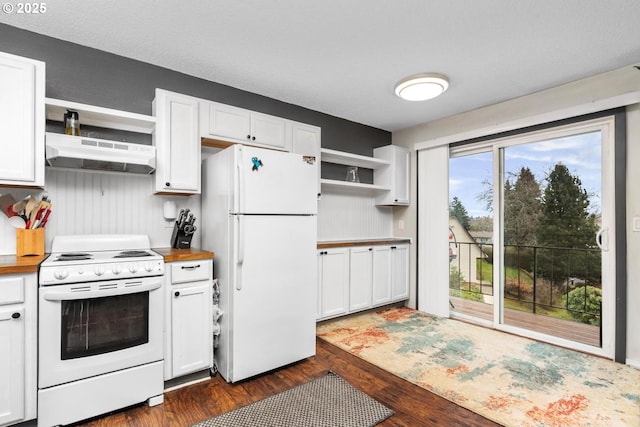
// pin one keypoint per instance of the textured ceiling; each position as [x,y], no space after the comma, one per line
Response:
[344,57]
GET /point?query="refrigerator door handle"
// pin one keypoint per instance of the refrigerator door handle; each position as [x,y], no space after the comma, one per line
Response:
[240,254]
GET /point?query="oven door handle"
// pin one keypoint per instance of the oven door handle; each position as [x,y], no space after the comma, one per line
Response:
[132,288]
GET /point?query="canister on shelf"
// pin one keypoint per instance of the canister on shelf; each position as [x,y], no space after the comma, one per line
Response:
[72,123]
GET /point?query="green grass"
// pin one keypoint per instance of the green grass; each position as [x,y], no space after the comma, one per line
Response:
[473,294]
[511,273]
[486,272]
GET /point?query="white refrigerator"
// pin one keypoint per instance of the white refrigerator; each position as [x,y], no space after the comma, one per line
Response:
[259,219]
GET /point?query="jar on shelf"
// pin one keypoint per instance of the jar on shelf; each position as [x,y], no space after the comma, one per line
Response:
[72,123]
[352,174]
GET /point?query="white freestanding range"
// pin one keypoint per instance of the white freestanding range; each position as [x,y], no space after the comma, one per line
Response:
[100,327]
[259,217]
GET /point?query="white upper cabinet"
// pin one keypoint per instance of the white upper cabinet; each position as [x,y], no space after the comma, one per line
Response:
[268,130]
[394,176]
[177,142]
[22,121]
[224,121]
[237,125]
[305,140]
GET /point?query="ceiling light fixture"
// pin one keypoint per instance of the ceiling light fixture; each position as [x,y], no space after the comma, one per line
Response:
[422,86]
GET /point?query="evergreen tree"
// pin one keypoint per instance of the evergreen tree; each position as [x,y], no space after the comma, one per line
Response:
[522,209]
[457,210]
[566,225]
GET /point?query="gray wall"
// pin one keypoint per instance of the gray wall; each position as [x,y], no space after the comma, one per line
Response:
[90,76]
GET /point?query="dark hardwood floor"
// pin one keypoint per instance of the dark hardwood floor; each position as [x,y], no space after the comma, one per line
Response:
[413,405]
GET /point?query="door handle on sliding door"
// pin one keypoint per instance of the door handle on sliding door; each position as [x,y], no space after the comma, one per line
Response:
[602,239]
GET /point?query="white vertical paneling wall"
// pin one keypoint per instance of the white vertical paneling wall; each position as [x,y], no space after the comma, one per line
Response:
[351,215]
[102,203]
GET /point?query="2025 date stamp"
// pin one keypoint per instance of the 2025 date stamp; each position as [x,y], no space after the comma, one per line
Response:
[22,8]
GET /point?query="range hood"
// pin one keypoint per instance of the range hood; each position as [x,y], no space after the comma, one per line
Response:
[98,154]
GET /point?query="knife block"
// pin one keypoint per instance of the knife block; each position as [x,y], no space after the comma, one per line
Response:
[29,242]
[179,239]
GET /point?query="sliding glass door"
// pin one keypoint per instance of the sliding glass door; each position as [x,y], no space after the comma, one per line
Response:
[546,268]
[471,290]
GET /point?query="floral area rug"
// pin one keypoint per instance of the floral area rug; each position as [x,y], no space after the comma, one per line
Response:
[511,380]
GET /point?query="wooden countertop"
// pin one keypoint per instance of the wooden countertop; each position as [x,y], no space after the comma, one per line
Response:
[11,264]
[192,254]
[362,242]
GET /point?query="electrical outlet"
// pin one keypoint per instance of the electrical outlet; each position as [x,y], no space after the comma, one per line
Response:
[636,224]
[401,224]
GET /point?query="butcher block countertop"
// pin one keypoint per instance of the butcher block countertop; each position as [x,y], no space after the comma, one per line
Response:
[11,264]
[362,242]
[192,254]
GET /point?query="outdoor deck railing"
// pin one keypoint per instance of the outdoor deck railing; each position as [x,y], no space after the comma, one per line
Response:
[551,281]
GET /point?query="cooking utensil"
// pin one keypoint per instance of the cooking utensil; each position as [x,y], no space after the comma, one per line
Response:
[37,213]
[45,218]
[17,222]
[6,205]
[20,205]
[30,205]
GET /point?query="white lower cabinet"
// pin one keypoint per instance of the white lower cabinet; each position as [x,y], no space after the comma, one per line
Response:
[381,275]
[188,328]
[18,388]
[333,279]
[361,277]
[399,272]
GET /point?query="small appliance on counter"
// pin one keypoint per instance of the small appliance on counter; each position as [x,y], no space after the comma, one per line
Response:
[183,230]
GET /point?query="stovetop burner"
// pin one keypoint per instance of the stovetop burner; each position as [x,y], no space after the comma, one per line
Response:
[73,256]
[132,254]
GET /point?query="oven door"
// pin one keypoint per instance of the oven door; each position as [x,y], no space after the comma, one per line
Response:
[88,329]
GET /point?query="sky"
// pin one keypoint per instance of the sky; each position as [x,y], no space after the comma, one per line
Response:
[470,176]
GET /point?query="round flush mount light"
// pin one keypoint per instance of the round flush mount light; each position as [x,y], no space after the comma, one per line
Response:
[422,86]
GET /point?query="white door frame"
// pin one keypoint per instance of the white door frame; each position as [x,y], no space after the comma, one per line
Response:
[606,126]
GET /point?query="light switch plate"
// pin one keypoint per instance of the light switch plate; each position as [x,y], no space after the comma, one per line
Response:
[636,224]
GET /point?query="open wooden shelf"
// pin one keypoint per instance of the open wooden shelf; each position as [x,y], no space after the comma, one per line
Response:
[349,159]
[92,115]
[355,186]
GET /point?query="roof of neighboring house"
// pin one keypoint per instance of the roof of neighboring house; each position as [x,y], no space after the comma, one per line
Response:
[482,234]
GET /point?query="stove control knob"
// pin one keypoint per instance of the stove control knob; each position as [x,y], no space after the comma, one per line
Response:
[117,269]
[133,267]
[99,271]
[60,274]
[148,267]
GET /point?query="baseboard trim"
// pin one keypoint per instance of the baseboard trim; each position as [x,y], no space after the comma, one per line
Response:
[633,363]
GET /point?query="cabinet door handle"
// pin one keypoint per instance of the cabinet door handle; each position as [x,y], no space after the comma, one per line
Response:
[177,294]
[167,184]
[190,267]
[248,136]
[394,247]
[370,249]
[15,316]
[253,138]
